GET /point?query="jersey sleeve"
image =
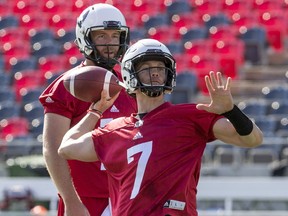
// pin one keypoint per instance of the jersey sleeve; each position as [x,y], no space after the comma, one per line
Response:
[203,120]
[56,99]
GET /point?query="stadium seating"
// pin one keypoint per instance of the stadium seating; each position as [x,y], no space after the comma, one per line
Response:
[206,7]
[268,125]
[13,127]
[45,48]
[33,22]
[7,93]
[255,39]
[284,153]
[276,93]
[27,63]
[261,156]
[22,8]
[185,89]
[70,49]
[9,109]
[36,128]
[195,33]
[223,32]
[278,108]
[266,5]
[5,10]
[53,64]
[224,155]
[273,22]
[4,80]
[67,35]
[31,111]
[136,34]
[42,35]
[2,64]
[156,21]
[254,108]
[175,47]
[31,95]
[16,49]
[230,53]
[282,127]
[23,81]
[143,8]
[244,20]
[9,21]
[236,6]
[200,47]
[61,21]
[166,34]
[216,20]
[186,20]
[13,34]
[178,7]
[55,7]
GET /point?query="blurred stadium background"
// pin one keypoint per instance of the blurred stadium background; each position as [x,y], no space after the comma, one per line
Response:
[244,39]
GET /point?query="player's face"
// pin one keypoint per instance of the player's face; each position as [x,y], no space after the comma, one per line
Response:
[106,37]
[152,73]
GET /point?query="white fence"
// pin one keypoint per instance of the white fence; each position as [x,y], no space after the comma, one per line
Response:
[226,189]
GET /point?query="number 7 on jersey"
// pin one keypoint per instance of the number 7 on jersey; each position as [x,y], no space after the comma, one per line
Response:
[145,149]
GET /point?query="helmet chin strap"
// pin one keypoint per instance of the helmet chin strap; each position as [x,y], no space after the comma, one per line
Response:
[103,62]
[153,91]
[98,60]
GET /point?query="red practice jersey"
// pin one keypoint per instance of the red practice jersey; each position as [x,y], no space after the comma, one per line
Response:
[88,178]
[154,163]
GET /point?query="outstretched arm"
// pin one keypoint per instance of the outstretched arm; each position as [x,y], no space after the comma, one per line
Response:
[236,128]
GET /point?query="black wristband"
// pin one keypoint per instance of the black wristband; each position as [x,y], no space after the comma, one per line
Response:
[242,124]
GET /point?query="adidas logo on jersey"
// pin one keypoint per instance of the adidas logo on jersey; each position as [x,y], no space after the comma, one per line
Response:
[49,100]
[137,136]
[114,109]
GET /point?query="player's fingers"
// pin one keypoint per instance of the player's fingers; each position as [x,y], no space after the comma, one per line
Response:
[228,83]
[104,94]
[208,84]
[219,79]
[213,79]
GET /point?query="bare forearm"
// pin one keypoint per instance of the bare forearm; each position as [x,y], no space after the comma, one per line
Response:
[60,175]
[254,139]
[55,126]
[87,124]
[77,143]
[224,131]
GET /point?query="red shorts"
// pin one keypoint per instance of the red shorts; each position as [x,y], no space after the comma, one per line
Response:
[95,206]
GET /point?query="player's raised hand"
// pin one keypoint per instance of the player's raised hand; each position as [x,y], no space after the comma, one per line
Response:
[220,94]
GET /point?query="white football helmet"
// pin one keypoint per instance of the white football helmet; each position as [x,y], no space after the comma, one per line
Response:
[145,50]
[101,17]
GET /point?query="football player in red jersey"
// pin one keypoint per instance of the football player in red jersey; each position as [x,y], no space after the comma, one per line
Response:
[153,157]
[103,37]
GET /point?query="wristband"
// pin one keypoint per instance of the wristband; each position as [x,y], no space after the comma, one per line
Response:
[242,124]
[98,113]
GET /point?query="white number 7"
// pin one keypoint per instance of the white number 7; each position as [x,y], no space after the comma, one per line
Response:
[145,149]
